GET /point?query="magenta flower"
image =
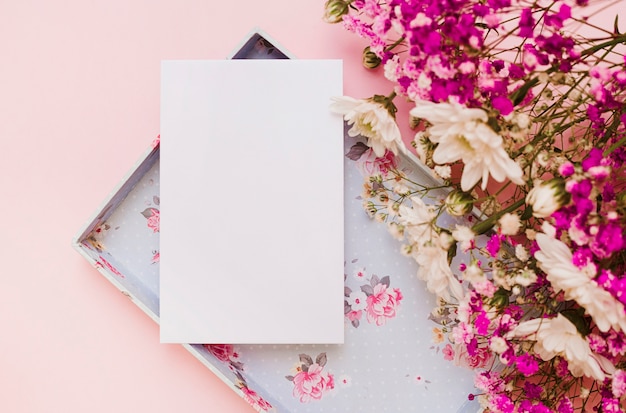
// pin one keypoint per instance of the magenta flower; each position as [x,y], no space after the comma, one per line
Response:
[527,365]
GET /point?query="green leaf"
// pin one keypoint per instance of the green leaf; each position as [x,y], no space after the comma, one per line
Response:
[451,253]
[577,317]
[519,95]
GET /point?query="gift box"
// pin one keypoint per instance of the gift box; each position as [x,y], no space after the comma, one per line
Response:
[389,361]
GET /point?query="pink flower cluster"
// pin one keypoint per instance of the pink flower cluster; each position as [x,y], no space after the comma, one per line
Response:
[448,52]
[593,219]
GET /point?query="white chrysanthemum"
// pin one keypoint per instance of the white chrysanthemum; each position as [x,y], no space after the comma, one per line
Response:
[429,249]
[417,221]
[559,337]
[371,120]
[463,133]
[555,259]
[546,197]
[434,269]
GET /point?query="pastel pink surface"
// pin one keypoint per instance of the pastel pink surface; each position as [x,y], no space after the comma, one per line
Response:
[79,103]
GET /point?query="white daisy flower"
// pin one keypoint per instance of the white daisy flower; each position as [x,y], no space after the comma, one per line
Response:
[371,120]
[555,259]
[559,337]
[463,134]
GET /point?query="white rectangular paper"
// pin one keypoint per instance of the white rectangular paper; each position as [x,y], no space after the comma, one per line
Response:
[251,202]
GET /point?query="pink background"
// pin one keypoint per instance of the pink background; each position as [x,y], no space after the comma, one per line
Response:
[79,103]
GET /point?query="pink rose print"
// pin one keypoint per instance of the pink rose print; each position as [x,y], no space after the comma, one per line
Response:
[448,352]
[153,216]
[368,163]
[156,257]
[156,141]
[154,221]
[256,401]
[223,352]
[376,299]
[311,382]
[382,304]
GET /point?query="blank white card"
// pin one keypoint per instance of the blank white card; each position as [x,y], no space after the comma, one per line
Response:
[251,202]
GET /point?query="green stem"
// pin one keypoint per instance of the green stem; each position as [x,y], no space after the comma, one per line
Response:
[616,145]
[392,46]
[613,42]
[486,225]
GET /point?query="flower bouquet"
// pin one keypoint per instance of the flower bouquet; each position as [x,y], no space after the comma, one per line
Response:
[518,109]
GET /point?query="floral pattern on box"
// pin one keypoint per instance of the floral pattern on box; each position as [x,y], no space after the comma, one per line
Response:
[226,353]
[388,360]
[310,381]
[375,299]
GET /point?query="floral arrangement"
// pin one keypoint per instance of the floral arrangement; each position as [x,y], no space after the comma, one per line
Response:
[518,110]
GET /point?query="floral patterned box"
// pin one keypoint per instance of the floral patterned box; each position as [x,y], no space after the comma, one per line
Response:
[392,359]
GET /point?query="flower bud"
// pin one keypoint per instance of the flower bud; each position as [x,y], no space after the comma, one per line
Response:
[370,59]
[459,203]
[334,10]
[547,197]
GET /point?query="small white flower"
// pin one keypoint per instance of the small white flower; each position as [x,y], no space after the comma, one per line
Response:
[522,120]
[443,171]
[420,20]
[474,274]
[371,120]
[509,224]
[546,197]
[400,189]
[525,277]
[521,253]
[497,344]
[391,69]
[463,134]
[357,300]
[559,337]
[577,235]
[464,235]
